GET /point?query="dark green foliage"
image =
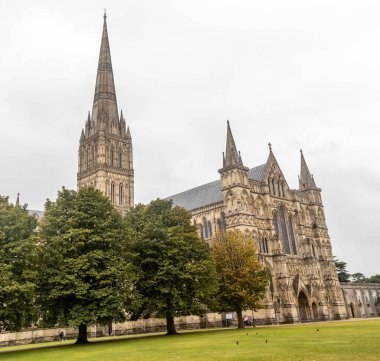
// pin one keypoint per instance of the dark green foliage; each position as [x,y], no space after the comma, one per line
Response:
[17,266]
[358,277]
[341,269]
[242,280]
[374,279]
[174,266]
[84,275]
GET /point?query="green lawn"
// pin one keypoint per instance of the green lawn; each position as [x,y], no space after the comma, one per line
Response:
[334,341]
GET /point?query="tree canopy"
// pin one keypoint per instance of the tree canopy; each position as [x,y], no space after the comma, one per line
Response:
[341,270]
[173,265]
[84,274]
[17,265]
[242,280]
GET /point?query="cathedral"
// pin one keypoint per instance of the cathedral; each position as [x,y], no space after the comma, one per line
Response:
[105,156]
[289,226]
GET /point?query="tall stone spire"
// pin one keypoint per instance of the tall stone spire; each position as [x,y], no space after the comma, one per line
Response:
[105,94]
[306,180]
[105,156]
[231,158]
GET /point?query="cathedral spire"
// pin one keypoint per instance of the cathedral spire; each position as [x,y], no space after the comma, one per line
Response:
[232,157]
[306,180]
[105,94]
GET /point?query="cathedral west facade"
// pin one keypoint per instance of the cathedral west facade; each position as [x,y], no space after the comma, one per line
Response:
[289,226]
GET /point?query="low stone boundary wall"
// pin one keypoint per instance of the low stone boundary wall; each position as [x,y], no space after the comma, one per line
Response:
[37,335]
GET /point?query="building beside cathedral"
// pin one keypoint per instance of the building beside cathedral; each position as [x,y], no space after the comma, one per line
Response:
[289,226]
[105,156]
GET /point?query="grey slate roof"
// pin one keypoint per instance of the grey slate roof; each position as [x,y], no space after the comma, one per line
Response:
[209,193]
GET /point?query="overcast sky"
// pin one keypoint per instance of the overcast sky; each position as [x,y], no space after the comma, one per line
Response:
[298,74]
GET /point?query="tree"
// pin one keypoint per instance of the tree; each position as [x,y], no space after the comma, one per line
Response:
[242,280]
[341,269]
[374,279]
[84,275]
[358,277]
[17,260]
[173,265]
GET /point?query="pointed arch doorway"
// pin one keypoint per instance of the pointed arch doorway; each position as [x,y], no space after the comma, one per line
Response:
[303,306]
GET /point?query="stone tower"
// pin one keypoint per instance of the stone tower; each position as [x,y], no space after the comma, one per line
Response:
[105,156]
[235,185]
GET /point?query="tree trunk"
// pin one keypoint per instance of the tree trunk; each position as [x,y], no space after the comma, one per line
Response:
[170,326]
[253,320]
[240,318]
[82,336]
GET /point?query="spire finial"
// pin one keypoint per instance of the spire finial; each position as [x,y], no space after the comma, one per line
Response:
[270,146]
[18,200]
[105,14]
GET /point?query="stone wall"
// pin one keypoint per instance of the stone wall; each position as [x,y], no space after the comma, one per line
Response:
[362,299]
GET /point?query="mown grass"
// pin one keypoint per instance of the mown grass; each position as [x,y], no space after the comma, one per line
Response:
[347,341]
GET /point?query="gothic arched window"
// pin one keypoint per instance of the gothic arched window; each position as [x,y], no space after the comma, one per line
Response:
[273,187]
[284,231]
[219,224]
[112,157]
[223,220]
[201,230]
[209,229]
[121,194]
[205,227]
[292,235]
[113,192]
[275,224]
[265,245]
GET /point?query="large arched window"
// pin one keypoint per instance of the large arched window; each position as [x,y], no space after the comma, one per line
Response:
[284,231]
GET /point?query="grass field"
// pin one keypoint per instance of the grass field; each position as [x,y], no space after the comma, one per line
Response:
[347,341]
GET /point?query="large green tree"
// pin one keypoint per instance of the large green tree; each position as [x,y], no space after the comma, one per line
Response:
[341,269]
[358,277]
[84,275]
[242,280]
[17,266]
[374,279]
[174,266]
